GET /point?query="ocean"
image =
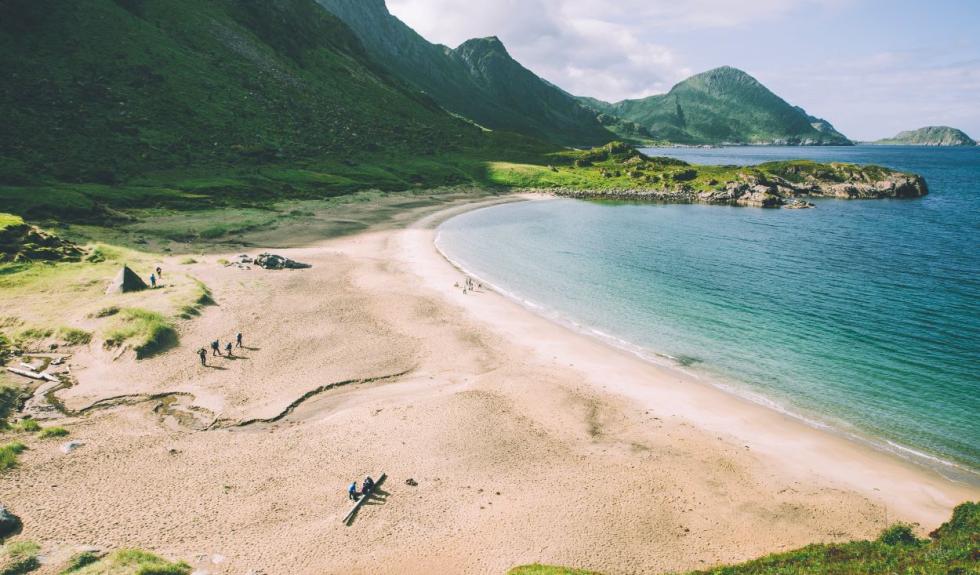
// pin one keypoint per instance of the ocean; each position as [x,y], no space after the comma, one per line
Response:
[862,316]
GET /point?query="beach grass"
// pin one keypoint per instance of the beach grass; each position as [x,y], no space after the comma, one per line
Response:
[73,336]
[9,221]
[19,557]
[953,548]
[52,432]
[9,453]
[146,332]
[126,562]
[28,426]
[9,397]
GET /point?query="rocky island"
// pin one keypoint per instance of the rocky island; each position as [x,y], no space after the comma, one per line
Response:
[620,172]
[929,136]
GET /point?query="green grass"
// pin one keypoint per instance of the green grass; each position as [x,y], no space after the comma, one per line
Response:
[146,332]
[188,261]
[952,549]
[19,557]
[9,453]
[130,562]
[52,432]
[9,220]
[201,297]
[74,336]
[537,569]
[28,426]
[79,560]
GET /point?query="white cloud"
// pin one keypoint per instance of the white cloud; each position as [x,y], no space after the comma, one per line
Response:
[602,49]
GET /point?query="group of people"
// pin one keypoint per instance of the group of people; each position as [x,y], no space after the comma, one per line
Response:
[157,276]
[216,349]
[366,488]
[469,285]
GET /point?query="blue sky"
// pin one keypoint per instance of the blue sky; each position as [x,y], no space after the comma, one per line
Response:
[871,67]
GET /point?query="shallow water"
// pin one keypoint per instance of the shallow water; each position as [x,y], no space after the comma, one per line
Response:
[861,315]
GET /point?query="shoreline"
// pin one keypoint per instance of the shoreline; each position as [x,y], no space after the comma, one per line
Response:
[950,470]
[507,439]
[865,461]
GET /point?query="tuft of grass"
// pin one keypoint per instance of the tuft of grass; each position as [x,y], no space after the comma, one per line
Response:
[19,557]
[130,562]
[223,261]
[147,332]
[9,453]
[50,432]
[74,336]
[79,560]
[201,297]
[33,334]
[188,261]
[29,426]
[106,312]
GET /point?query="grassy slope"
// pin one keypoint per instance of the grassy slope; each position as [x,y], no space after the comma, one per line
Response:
[102,90]
[954,548]
[478,80]
[718,106]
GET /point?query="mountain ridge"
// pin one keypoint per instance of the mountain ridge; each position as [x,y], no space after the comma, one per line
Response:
[478,79]
[724,105]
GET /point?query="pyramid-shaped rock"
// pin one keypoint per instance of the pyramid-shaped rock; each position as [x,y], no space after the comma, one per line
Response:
[126,281]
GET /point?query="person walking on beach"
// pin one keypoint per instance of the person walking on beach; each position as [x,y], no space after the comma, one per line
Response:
[204,356]
[228,349]
[352,491]
[238,340]
[153,281]
[215,347]
[159,272]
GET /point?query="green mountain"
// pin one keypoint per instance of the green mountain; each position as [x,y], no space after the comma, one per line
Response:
[478,80]
[930,136]
[101,90]
[724,105]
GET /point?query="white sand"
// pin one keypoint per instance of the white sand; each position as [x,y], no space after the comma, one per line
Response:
[529,442]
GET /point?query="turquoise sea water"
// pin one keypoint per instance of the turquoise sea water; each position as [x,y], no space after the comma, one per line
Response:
[860,315]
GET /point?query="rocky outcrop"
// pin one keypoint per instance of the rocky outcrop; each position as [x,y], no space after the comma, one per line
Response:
[22,242]
[277,262]
[777,185]
[9,523]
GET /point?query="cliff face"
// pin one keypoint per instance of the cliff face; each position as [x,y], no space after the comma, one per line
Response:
[724,105]
[930,136]
[479,80]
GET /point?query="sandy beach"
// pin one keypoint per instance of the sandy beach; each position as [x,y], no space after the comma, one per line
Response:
[526,441]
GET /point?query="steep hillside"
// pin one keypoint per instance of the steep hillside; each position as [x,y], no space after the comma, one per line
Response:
[724,105]
[478,80]
[101,90]
[930,136]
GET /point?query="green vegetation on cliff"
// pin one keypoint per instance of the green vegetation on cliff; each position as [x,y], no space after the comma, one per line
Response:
[954,548]
[929,136]
[478,80]
[724,105]
[104,90]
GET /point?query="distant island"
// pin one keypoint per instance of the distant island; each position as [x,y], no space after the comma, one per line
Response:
[929,136]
